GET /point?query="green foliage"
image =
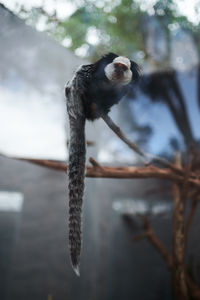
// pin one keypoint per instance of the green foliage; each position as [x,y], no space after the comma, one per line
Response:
[117,25]
[117,28]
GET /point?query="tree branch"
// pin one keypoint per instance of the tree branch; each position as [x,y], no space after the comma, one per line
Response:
[113,172]
[147,157]
[178,271]
[156,242]
[150,234]
[116,129]
[109,172]
[95,163]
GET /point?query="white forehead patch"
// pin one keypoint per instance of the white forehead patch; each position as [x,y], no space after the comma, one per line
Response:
[123,60]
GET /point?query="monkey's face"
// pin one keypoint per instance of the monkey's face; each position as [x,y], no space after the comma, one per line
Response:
[119,71]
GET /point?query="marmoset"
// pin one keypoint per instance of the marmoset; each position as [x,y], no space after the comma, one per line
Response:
[93,90]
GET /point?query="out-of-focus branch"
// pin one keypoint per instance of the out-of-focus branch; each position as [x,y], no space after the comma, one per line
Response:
[194,204]
[150,235]
[186,280]
[156,242]
[178,271]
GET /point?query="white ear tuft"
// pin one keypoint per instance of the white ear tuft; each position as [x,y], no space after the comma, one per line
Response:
[109,70]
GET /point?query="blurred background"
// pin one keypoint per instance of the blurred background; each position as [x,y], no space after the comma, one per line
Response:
[41,45]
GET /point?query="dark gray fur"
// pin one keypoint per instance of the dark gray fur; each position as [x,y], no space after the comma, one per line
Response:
[77,150]
[89,96]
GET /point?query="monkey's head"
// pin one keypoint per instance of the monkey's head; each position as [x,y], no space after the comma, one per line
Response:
[119,71]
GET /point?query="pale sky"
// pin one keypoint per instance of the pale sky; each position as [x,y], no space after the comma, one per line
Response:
[65,8]
[185,7]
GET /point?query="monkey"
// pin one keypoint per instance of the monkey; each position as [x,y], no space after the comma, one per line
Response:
[90,94]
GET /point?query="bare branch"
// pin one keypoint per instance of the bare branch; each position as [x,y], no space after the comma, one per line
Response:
[113,172]
[156,242]
[150,234]
[122,136]
[147,157]
[109,172]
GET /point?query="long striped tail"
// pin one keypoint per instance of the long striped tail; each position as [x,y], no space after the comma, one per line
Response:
[76,174]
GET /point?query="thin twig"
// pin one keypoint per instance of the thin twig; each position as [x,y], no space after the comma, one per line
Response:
[147,157]
[122,136]
[95,163]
